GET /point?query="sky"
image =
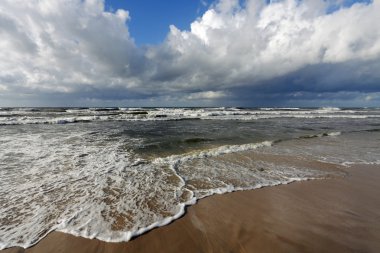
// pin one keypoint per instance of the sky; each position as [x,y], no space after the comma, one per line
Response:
[282,53]
[150,19]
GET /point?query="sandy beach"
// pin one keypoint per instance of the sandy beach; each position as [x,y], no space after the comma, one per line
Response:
[333,215]
[199,126]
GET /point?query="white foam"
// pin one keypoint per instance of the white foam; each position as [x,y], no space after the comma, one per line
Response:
[330,109]
[72,184]
[334,133]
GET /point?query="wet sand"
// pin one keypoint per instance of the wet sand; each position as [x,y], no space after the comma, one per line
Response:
[333,215]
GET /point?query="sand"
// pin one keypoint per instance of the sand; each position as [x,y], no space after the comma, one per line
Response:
[333,215]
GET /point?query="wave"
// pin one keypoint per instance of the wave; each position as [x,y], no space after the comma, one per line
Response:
[330,109]
[320,135]
[174,160]
[20,116]
[196,140]
[280,108]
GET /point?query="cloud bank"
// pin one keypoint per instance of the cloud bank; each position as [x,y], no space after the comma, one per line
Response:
[74,52]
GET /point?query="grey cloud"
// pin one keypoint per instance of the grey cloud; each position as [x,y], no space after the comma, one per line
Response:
[13,35]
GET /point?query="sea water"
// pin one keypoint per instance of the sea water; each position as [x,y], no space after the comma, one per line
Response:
[114,173]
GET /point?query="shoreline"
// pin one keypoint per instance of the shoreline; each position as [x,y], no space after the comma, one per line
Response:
[331,215]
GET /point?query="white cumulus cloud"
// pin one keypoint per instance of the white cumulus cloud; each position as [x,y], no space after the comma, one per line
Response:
[243,45]
[64,45]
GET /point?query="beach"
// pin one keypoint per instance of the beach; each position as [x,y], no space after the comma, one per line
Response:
[195,126]
[192,179]
[330,215]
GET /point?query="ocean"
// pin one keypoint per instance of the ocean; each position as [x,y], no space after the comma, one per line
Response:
[115,173]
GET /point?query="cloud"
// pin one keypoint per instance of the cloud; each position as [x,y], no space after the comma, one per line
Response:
[236,52]
[207,95]
[259,42]
[60,46]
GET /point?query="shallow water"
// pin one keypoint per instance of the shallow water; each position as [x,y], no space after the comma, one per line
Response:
[115,173]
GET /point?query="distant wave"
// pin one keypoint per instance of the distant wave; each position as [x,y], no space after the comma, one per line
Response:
[19,116]
[330,109]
